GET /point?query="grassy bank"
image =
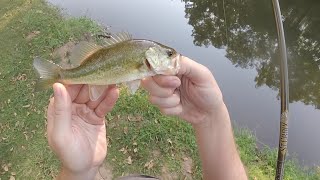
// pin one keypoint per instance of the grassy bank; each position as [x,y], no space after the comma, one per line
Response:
[141,140]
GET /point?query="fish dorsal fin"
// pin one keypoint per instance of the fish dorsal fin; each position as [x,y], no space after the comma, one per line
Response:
[95,91]
[118,38]
[82,51]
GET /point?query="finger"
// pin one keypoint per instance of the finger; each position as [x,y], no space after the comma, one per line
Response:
[50,118]
[108,102]
[169,102]
[94,104]
[88,115]
[196,72]
[155,90]
[62,109]
[83,95]
[73,90]
[174,111]
[167,81]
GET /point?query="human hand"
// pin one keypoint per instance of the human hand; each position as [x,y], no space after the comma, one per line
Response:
[76,129]
[193,94]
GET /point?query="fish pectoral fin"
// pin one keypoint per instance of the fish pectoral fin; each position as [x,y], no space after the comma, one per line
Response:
[95,91]
[118,38]
[133,85]
[82,51]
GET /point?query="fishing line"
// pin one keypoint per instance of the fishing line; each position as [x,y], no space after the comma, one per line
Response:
[284,92]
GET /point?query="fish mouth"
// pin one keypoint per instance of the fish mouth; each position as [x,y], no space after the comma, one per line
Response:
[174,67]
[169,67]
[176,64]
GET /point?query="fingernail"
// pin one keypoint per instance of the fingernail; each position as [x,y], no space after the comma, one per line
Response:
[57,91]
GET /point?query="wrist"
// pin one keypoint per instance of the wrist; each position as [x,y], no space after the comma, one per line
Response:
[217,147]
[67,174]
[216,118]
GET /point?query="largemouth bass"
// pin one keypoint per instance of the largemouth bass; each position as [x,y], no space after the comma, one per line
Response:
[122,60]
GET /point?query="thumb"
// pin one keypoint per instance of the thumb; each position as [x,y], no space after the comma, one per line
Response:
[196,72]
[62,109]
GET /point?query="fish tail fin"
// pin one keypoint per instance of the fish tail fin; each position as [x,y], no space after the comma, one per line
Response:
[48,71]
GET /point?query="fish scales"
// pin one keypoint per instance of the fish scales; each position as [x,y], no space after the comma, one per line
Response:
[123,60]
[111,65]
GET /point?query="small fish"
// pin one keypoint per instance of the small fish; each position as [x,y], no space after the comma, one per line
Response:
[122,60]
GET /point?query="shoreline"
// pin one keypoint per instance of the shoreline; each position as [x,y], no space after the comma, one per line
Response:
[157,145]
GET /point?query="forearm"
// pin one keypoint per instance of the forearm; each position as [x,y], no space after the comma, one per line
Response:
[67,175]
[218,153]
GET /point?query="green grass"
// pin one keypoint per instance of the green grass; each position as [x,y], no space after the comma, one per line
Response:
[136,129]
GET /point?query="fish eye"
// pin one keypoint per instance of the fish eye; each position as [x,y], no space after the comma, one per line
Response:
[169,53]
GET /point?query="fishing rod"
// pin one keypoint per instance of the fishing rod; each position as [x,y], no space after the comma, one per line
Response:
[284,92]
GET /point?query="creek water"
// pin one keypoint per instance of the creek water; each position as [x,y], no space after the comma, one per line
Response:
[237,41]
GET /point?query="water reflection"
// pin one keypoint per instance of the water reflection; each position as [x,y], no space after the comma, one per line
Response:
[247,31]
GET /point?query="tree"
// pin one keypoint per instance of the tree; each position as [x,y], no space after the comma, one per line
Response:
[246,29]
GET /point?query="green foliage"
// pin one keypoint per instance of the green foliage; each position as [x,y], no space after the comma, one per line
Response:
[135,123]
[29,29]
[156,144]
[247,31]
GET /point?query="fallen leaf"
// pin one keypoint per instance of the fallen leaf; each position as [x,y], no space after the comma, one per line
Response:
[12,178]
[26,136]
[135,143]
[125,130]
[5,168]
[32,35]
[134,118]
[13,173]
[20,77]
[123,150]
[149,164]
[26,106]
[129,160]
[135,150]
